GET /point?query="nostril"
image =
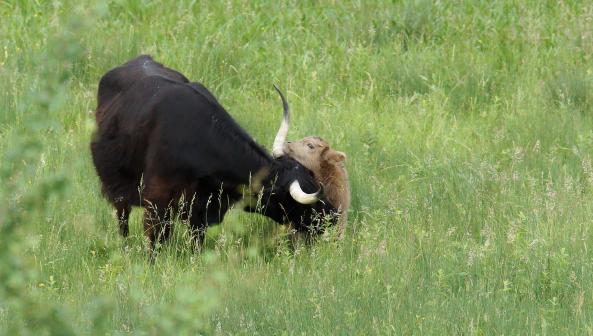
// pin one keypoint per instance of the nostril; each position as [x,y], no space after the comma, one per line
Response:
[288,142]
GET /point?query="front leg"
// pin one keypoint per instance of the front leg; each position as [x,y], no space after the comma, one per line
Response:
[204,214]
[197,228]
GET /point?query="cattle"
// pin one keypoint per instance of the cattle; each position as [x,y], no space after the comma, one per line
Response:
[168,145]
[326,164]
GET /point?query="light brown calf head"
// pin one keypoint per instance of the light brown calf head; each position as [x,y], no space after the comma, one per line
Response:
[313,152]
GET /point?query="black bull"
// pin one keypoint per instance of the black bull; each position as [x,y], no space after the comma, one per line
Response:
[161,138]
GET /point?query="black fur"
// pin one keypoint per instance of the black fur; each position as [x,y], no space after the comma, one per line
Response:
[156,126]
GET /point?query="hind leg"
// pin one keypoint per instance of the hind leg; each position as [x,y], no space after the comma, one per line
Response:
[160,203]
[157,224]
[119,183]
[123,216]
[123,207]
[123,196]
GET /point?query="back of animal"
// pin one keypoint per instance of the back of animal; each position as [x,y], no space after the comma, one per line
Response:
[119,79]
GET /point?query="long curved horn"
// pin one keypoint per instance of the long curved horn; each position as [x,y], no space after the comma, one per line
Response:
[278,146]
[302,197]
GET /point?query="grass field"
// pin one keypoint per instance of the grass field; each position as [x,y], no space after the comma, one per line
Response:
[469,132]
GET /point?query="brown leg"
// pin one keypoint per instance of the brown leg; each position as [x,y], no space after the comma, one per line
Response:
[160,203]
[157,225]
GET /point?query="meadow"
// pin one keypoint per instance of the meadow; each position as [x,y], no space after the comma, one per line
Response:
[469,132]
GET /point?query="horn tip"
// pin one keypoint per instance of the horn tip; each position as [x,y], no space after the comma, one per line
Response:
[300,196]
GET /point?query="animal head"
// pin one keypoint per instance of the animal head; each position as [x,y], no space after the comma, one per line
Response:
[290,194]
[313,152]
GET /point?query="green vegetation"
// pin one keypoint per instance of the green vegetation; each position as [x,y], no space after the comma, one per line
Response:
[469,131]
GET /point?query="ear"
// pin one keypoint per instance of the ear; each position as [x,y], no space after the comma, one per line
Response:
[340,156]
[335,156]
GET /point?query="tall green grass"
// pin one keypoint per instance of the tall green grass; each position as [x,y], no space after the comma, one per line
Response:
[469,132]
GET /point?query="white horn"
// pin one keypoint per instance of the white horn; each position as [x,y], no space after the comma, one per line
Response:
[278,146]
[302,197]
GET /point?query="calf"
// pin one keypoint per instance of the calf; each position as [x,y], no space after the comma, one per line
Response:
[326,164]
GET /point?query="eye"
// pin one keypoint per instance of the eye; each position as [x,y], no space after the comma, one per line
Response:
[310,146]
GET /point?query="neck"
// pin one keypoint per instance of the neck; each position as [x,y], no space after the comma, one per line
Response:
[335,180]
